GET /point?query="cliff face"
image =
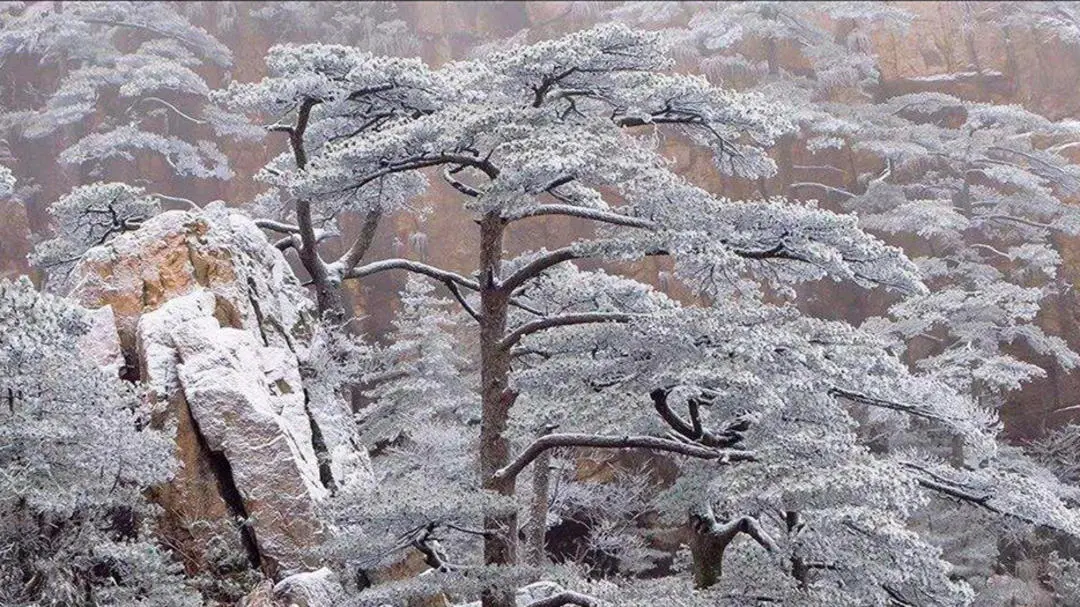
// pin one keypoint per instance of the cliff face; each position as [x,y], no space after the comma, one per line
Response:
[205,313]
[943,50]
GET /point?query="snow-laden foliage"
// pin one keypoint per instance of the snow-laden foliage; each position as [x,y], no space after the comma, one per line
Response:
[975,190]
[374,26]
[76,457]
[561,119]
[143,60]
[90,216]
[743,41]
[1051,20]
[986,197]
[421,428]
[1059,450]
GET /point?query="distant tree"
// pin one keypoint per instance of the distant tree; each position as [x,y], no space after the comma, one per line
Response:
[421,428]
[143,55]
[7,182]
[981,202]
[76,456]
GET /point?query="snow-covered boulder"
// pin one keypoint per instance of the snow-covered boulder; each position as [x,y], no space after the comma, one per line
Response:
[101,343]
[527,595]
[177,252]
[257,422]
[208,315]
[320,588]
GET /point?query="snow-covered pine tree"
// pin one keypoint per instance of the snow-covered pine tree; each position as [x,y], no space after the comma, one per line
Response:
[976,192]
[76,456]
[89,216]
[421,428]
[979,201]
[757,393]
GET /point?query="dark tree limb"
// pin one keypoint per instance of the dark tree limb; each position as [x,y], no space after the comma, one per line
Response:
[653,443]
[363,240]
[710,539]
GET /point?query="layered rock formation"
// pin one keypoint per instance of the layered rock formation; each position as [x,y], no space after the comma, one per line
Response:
[207,315]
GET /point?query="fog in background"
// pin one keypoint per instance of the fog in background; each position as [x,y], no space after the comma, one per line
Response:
[944,50]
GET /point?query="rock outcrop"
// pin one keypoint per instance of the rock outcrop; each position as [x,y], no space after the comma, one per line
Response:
[207,314]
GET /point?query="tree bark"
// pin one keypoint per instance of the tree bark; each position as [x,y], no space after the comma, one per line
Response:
[500,547]
[709,539]
[541,496]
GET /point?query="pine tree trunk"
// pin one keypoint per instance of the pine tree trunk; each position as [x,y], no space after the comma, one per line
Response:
[538,515]
[500,547]
[707,553]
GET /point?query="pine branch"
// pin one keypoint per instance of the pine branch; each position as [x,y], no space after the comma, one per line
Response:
[595,441]
[569,210]
[412,266]
[562,321]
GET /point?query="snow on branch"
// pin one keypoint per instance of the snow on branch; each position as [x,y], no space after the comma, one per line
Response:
[564,598]
[561,321]
[411,266]
[551,441]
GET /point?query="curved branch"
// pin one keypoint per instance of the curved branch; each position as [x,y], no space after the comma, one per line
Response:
[456,292]
[552,441]
[827,188]
[705,523]
[461,186]
[585,213]
[171,107]
[695,431]
[535,267]
[562,321]
[415,267]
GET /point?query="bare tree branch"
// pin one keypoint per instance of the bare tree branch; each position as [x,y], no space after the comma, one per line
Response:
[363,240]
[456,292]
[871,401]
[827,188]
